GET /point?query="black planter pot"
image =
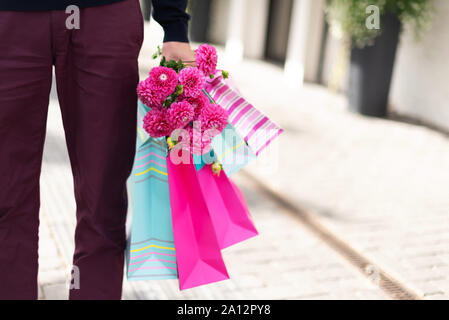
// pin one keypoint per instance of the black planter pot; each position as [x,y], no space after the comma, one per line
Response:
[371,71]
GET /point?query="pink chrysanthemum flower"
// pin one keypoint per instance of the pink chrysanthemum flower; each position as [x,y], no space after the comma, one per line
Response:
[156,123]
[193,81]
[198,103]
[148,96]
[199,143]
[163,80]
[213,117]
[180,114]
[206,59]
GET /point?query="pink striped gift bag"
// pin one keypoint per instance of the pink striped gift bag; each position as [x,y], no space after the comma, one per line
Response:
[250,123]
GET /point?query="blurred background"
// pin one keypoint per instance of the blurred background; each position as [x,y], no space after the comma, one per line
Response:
[352,201]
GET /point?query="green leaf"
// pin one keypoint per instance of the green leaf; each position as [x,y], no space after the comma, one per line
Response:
[179,90]
[350,16]
[163,62]
[158,53]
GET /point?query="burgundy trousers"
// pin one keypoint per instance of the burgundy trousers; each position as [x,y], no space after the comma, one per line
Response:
[96,74]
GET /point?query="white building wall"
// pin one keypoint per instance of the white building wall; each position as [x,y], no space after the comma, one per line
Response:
[298,41]
[250,30]
[243,24]
[420,87]
[313,49]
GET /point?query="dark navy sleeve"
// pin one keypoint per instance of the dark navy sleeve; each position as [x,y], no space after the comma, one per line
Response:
[172,16]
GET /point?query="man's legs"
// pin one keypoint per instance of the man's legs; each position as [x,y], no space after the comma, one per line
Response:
[25,81]
[97,75]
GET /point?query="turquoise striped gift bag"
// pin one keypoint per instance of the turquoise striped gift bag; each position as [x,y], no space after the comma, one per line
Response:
[151,249]
[231,150]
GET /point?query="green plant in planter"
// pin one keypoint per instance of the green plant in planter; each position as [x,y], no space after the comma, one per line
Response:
[350,16]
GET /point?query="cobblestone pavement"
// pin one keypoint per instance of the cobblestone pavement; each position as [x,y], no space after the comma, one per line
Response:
[379,185]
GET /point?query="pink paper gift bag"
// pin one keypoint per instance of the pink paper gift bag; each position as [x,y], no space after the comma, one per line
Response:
[227,208]
[242,199]
[197,250]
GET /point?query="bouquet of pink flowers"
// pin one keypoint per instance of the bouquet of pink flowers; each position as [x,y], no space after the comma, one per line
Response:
[180,109]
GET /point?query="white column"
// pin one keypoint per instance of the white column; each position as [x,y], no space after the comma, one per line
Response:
[297,42]
[255,28]
[236,25]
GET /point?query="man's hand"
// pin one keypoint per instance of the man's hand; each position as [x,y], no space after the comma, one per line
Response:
[179,51]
